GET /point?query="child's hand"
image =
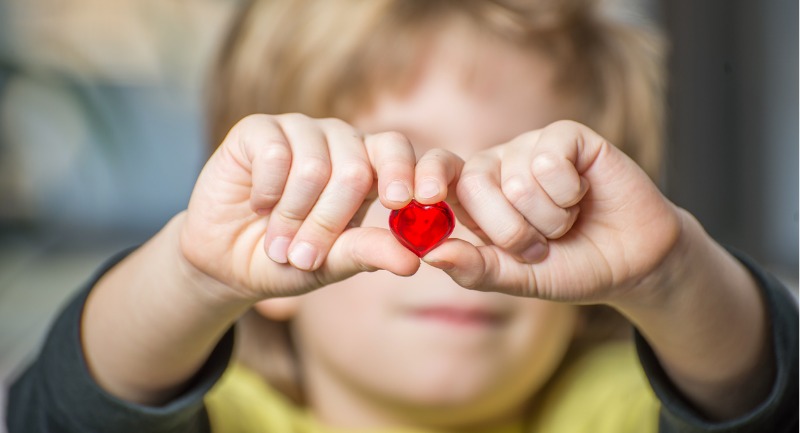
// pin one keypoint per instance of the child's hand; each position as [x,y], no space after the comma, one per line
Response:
[280,198]
[274,213]
[566,216]
[606,235]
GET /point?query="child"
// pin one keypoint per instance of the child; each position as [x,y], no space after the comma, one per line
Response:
[439,100]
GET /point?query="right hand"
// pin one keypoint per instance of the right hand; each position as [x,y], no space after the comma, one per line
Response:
[276,208]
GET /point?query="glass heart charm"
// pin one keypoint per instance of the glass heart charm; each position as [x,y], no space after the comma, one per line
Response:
[422,227]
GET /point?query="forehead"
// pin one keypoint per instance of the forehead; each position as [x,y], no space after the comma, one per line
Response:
[471,91]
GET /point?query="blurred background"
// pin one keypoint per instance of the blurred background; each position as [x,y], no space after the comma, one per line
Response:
[101,139]
[102,135]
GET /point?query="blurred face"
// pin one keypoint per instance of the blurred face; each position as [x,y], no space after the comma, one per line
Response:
[380,349]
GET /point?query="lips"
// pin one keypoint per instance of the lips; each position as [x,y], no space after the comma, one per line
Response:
[459,316]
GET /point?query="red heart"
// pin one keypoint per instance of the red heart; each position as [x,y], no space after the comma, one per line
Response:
[422,227]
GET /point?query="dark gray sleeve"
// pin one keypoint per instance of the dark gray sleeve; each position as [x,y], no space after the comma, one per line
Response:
[57,394]
[779,412]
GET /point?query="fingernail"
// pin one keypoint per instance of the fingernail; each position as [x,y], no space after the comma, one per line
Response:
[441,264]
[535,253]
[428,189]
[277,249]
[303,255]
[397,191]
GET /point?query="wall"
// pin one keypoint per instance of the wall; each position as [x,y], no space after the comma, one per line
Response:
[733,159]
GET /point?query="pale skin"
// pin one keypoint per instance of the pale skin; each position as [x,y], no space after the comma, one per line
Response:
[556,213]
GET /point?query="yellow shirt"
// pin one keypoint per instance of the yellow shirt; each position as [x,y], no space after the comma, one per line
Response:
[601,391]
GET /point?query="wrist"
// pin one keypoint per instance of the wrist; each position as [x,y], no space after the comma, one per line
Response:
[152,308]
[703,315]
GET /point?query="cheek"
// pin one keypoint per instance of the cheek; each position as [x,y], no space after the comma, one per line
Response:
[339,314]
[337,325]
[350,332]
[535,345]
[543,333]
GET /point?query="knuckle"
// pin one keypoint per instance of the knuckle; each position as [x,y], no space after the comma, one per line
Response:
[470,282]
[247,128]
[474,279]
[564,125]
[437,155]
[277,152]
[392,137]
[250,131]
[356,175]
[360,255]
[436,160]
[324,222]
[524,140]
[251,120]
[337,125]
[293,117]
[314,171]
[362,265]
[516,190]
[264,197]
[545,163]
[472,183]
[289,216]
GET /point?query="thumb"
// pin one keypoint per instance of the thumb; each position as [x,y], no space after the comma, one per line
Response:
[366,249]
[485,268]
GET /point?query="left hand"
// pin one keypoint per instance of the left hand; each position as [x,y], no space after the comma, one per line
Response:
[566,216]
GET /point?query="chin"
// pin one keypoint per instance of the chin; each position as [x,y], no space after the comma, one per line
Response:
[455,410]
[448,395]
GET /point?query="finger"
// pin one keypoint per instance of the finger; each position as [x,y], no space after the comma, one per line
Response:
[257,143]
[308,175]
[393,160]
[565,186]
[343,196]
[366,249]
[436,171]
[481,196]
[485,268]
[564,151]
[526,195]
[445,168]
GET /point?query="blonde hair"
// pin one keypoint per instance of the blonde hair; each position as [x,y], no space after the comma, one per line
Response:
[328,58]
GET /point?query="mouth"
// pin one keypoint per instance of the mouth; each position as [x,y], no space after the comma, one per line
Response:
[459,316]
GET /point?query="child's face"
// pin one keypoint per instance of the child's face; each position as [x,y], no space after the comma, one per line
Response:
[377,346]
